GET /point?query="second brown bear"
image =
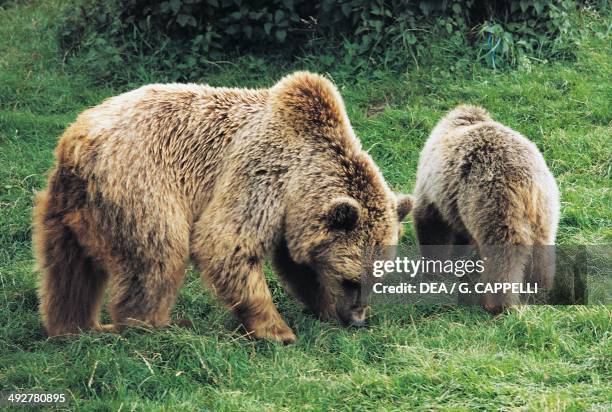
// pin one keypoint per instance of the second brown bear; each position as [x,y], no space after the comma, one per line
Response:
[480,182]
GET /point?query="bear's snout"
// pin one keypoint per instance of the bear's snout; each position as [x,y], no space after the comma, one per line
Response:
[357,317]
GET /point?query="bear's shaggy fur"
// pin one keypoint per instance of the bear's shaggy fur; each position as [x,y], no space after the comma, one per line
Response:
[165,174]
[480,182]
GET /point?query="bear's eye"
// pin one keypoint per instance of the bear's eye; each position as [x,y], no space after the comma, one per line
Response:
[349,284]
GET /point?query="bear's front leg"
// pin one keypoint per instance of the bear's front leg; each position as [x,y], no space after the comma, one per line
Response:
[261,319]
[235,273]
[243,287]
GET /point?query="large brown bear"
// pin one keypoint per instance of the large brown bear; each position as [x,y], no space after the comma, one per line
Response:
[480,182]
[165,174]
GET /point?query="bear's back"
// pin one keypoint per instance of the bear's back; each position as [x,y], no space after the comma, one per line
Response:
[473,169]
[159,139]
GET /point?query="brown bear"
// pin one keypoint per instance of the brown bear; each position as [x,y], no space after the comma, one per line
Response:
[165,174]
[480,182]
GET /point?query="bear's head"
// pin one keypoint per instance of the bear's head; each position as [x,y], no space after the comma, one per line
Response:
[340,215]
[329,249]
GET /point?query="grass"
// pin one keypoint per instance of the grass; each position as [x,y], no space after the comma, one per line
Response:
[411,357]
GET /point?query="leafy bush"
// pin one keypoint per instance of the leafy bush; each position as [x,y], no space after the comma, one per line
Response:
[528,27]
[211,26]
[192,33]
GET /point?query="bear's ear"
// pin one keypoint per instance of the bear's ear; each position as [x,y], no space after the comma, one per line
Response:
[404,206]
[343,214]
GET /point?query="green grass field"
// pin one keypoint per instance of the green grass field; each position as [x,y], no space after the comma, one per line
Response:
[409,358]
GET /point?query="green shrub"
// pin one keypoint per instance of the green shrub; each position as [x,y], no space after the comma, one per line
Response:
[529,27]
[188,34]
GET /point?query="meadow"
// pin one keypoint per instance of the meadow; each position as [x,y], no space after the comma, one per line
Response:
[410,357]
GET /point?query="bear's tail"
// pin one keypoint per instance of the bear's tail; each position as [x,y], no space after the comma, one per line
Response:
[71,284]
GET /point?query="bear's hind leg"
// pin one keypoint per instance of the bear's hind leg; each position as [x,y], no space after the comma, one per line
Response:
[147,269]
[146,250]
[503,266]
[434,234]
[145,297]
[72,282]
